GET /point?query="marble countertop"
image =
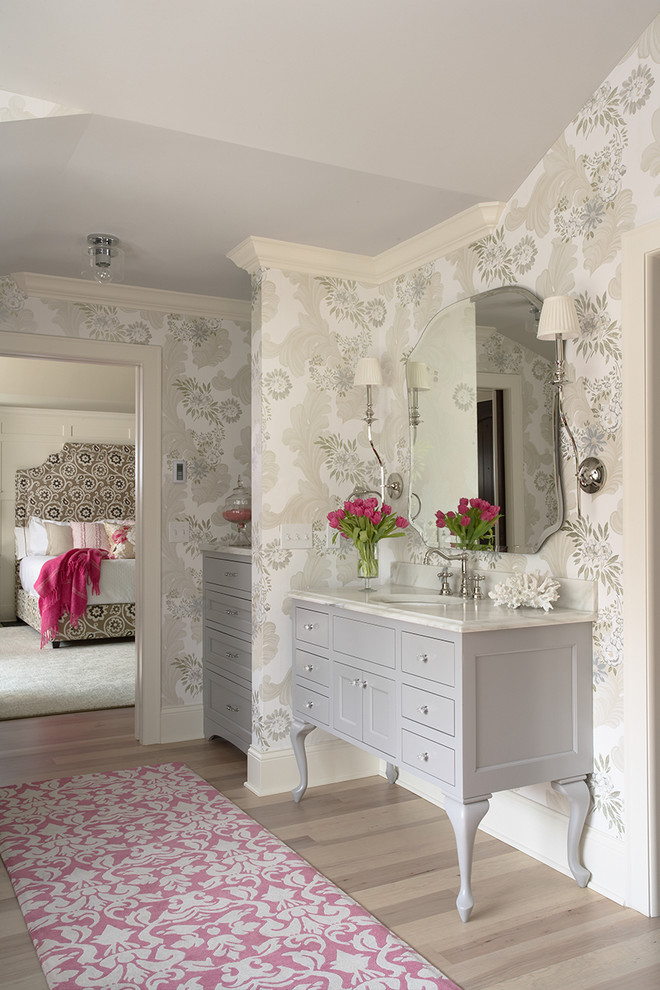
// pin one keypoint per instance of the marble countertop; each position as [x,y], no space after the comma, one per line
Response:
[428,609]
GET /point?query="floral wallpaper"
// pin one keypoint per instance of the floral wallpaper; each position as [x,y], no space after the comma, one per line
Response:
[205,421]
[560,234]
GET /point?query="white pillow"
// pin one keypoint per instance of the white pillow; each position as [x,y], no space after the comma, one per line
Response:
[20,542]
[37,535]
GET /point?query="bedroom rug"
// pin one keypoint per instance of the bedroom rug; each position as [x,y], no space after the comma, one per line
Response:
[73,678]
[150,879]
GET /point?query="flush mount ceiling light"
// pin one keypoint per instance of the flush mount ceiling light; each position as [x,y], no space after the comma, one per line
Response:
[104,257]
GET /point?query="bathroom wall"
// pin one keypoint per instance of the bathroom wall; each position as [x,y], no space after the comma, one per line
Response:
[205,421]
[560,234]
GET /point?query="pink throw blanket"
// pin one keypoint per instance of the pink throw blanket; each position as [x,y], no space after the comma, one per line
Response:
[62,588]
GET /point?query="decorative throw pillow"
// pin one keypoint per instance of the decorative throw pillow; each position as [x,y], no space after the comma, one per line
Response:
[122,538]
[20,542]
[60,538]
[90,536]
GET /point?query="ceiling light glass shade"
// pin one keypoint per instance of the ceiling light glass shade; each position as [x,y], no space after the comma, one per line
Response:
[558,319]
[368,372]
[417,376]
[104,257]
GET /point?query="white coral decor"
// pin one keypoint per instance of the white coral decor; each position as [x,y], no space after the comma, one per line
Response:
[526,589]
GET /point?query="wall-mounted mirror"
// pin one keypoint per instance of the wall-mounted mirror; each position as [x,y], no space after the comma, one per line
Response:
[483,418]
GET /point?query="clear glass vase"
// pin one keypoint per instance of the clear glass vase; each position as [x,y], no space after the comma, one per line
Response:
[368,564]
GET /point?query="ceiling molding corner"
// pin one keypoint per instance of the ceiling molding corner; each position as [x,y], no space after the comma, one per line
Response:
[465,228]
[131,296]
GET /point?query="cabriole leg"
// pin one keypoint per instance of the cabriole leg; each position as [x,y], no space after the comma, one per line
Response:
[465,820]
[579,799]
[391,773]
[299,733]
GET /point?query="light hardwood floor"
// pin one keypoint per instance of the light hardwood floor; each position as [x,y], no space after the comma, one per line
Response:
[532,928]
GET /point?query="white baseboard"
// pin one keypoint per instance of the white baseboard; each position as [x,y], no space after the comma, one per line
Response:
[180,724]
[540,832]
[329,762]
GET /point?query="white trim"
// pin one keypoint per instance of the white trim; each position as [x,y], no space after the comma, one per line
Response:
[640,493]
[329,762]
[130,296]
[182,723]
[541,833]
[148,405]
[456,232]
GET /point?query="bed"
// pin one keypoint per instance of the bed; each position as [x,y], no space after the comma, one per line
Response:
[81,495]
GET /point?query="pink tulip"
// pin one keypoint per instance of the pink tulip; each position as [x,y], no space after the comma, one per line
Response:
[465,520]
[401,522]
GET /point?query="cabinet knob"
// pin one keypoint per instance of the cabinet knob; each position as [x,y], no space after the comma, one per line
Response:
[309,704]
[231,611]
[424,657]
[423,709]
[309,667]
[232,708]
[232,656]
[423,757]
[356,682]
[311,625]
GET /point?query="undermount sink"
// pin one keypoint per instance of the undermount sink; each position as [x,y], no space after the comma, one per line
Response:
[414,598]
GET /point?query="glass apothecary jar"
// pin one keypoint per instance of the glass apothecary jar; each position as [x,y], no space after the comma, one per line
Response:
[238,510]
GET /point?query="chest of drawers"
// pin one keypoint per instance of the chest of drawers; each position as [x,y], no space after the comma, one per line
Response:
[227,647]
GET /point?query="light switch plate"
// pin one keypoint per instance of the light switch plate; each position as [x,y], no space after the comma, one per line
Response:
[296,536]
[179,532]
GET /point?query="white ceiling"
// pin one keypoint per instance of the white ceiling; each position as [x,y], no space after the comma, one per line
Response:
[345,124]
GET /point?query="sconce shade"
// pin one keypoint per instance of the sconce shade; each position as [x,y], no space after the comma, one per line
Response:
[417,376]
[368,372]
[558,319]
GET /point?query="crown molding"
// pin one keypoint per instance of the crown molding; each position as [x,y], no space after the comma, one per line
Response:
[456,232]
[131,296]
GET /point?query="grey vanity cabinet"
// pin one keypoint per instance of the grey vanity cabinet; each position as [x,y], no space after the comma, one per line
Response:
[471,707]
[227,647]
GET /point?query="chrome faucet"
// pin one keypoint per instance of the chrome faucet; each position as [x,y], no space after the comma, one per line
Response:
[462,556]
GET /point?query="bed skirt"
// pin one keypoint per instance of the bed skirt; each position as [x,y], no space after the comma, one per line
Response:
[99,621]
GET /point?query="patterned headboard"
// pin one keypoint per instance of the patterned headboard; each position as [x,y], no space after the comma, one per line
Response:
[82,481]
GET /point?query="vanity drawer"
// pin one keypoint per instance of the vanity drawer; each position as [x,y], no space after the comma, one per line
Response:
[362,640]
[224,653]
[224,610]
[313,668]
[227,705]
[233,575]
[428,657]
[428,709]
[312,627]
[428,756]
[311,705]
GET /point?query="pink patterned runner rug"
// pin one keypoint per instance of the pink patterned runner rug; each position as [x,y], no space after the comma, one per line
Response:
[150,879]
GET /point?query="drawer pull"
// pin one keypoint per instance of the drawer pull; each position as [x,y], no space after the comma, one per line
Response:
[232,708]
[231,611]
[310,625]
[232,656]
[424,657]
[356,682]
[309,667]
[231,574]
[424,757]
[309,704]
[423,709]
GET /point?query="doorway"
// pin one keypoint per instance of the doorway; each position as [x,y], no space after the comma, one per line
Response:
[146,360]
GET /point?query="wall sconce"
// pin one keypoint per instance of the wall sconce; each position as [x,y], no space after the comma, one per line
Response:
[105,258]
[417,379]
[368,374]
[559,322]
